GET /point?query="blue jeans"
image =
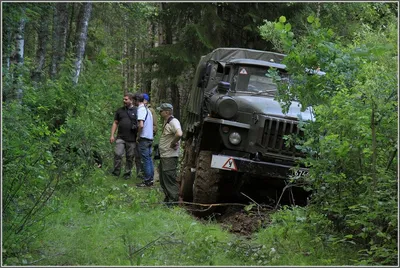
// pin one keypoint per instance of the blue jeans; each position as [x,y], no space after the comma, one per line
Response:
[147,162]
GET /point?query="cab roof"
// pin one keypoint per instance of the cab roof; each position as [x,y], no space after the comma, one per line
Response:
[257,63]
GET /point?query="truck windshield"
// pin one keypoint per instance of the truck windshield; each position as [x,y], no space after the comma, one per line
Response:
[252,79]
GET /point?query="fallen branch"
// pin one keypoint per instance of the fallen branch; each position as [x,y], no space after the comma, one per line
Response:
[181,203]
[258,205]
[283,191]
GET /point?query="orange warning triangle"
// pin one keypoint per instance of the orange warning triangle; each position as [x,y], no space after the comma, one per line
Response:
[230,164]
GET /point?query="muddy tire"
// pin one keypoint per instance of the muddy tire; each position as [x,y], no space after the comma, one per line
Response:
[186,176]
[206,184]
[187,180]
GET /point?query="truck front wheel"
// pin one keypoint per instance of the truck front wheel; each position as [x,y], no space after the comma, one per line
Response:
[206,184]
[186,176]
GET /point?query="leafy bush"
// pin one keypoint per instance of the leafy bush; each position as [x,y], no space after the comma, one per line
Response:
[300,236]
[49,138]
[353,140]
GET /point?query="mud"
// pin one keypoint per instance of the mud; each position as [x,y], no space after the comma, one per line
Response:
[250,208]
[238,220]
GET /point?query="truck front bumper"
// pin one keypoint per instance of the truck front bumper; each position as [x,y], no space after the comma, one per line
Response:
[265,169]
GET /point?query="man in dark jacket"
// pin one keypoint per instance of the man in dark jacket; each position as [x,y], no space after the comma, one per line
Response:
[125,120]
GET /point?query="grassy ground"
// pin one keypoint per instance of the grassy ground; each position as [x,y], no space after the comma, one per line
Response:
[113,223]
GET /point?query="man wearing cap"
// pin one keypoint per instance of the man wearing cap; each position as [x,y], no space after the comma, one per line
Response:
[145,140]
[146,101]
[169,151]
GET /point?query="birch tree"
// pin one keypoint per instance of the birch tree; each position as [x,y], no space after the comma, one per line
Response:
[20,39]
[82,30]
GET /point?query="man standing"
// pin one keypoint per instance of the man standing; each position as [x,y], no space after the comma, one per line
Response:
[146,101]
[145,141]
[124,119]
[169,151]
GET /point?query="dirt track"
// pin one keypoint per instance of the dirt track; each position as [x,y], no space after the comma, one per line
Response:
[237,220]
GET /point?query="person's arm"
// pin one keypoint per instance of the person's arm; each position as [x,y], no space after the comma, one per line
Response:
[175,142]
[140,127]
[155,121]
[140,120]
[113,129]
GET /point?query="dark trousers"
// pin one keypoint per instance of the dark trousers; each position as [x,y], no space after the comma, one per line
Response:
[168,175]
[122,147]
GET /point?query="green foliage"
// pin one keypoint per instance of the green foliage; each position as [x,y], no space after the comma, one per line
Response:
[48,145]
[299,236]
[30,177]
[353,140]
[130,226]
[194,37]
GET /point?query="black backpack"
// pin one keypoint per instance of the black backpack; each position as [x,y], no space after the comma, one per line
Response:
[134,124]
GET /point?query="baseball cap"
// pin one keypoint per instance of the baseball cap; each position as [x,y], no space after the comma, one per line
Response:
[165,107]
[146,97]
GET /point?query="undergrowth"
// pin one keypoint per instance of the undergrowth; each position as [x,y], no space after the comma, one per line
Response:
[108,221]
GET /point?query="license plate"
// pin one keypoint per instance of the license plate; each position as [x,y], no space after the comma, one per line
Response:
[300,173]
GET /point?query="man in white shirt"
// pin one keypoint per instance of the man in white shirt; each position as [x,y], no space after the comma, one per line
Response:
[145,141]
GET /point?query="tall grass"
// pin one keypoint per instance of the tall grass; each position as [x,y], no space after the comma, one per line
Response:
[109,222]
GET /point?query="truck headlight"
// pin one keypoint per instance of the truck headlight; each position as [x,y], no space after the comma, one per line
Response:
[227,107]
[223,105]
[235,138]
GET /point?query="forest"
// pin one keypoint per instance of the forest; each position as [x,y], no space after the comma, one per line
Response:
[66,67]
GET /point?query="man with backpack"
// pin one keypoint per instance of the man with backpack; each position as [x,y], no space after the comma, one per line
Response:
[171,134]
[145,141]
[146,101]
[125,120]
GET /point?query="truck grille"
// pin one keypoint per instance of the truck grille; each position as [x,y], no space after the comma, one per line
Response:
[272,137]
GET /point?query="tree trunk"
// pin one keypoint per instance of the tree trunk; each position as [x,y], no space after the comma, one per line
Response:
[131,66]
[374,143]
[20,42]
[7,45]
[53,65]
[70,28]
[84,17]
[175,97]
[19,47]
[63,32]
[148,69]
[161,38]
[43,37]
[125,61]
[60,26]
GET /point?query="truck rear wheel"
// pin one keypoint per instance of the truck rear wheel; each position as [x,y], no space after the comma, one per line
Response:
[206,184]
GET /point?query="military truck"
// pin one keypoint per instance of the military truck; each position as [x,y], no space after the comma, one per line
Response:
[234,129]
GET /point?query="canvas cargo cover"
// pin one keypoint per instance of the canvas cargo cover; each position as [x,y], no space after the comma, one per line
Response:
[224,55]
